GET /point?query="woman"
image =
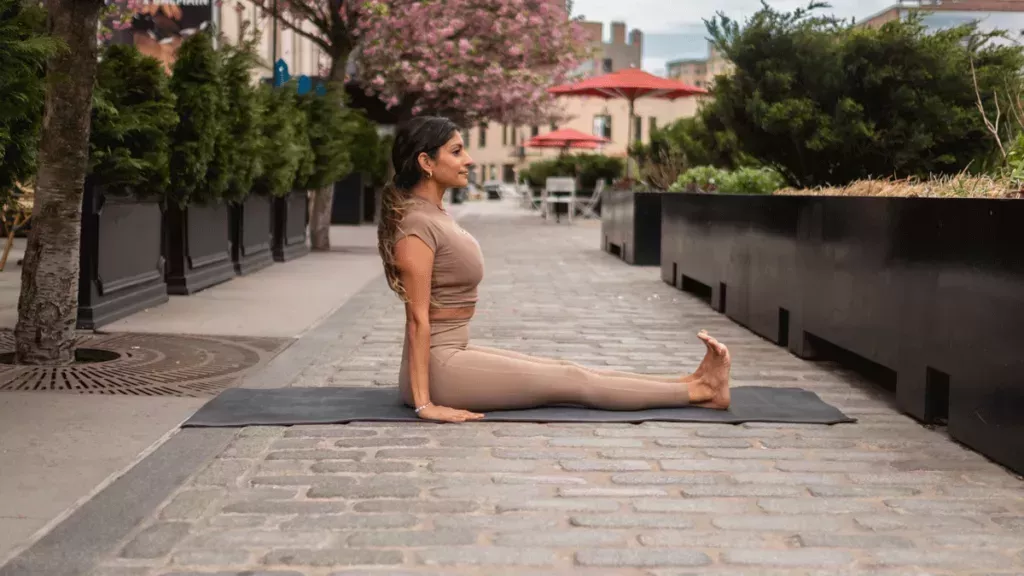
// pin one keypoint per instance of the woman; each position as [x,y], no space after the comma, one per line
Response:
[435,266]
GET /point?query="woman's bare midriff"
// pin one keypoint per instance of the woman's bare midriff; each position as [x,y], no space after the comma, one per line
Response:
[463,313]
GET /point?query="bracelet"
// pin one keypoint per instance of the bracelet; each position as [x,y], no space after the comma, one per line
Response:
[422,407]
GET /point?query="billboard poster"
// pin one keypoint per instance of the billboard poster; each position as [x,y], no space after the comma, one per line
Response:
[157,27]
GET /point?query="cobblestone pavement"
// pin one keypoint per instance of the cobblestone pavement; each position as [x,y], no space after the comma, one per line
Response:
[883,496]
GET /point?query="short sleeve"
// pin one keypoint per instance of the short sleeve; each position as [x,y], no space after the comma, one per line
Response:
[418,225]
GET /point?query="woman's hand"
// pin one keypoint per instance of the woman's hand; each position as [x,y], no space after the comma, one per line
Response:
[445,414]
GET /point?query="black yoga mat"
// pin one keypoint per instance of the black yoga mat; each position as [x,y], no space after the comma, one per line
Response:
[296,406]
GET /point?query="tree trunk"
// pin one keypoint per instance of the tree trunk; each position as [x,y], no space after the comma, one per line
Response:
[320,219]
[323,199]
[48,305]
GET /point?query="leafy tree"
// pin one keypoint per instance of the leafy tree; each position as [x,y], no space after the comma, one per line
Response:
[24,49]
[824,102]
[132,118]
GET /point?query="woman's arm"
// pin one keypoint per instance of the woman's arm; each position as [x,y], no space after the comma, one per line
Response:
[415,262]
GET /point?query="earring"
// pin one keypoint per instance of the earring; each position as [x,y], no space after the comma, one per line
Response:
[429,175]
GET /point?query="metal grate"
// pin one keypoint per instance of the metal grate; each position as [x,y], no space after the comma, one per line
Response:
[147,365]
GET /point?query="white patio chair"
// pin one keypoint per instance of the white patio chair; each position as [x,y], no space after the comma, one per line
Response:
[559,190]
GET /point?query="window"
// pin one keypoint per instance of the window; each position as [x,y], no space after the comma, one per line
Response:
[603,126]
[637,129]
[534,131]
[606,65]
[553,127]
[504,134]
[652,126]
[465,138]
[483,135]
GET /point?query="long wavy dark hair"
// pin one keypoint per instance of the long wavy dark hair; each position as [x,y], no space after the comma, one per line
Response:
[423,134]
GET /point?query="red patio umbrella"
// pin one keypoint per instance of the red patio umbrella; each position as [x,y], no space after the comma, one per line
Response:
[631,84]
[566,138]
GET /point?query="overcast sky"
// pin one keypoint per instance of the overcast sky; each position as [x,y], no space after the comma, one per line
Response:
[674,28]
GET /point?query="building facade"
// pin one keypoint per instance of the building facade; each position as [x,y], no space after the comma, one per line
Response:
[939,14]
[300,53]
[700,72]
[498,149]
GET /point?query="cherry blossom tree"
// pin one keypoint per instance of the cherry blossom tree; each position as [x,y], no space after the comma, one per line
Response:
[471,60]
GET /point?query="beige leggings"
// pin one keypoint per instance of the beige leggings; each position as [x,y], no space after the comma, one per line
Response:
[485,379]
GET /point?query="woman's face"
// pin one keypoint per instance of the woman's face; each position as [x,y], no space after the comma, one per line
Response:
[451,168]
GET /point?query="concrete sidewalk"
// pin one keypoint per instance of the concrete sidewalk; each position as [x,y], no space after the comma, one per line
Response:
[882,496]
[57,449]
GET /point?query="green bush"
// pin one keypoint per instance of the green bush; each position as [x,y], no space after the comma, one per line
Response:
[825,102]
[369,152]
[699,179]
[199,165]
[306,165]
[589,168]
[132,118]
[746,180]
[242,144]
[331,127]
[751,181]
[24,49]
[281,150]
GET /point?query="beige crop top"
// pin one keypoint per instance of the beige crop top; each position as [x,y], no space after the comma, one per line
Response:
[458,261]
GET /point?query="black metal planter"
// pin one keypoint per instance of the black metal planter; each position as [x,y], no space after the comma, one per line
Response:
[252,234]
[631,226]
[198,247]
[121,264]
[291,217]
[929,291]
[354,200]
[738,252]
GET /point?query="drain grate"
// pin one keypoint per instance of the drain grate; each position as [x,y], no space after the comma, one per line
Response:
[147,365]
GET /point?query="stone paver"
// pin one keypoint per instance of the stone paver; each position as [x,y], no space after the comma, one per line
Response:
[883,496]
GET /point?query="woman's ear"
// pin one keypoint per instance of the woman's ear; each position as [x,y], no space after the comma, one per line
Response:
[426,164]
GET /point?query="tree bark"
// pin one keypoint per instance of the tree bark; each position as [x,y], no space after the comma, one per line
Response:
[48,304]
[323,199]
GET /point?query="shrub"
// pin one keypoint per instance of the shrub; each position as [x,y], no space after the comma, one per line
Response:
[369,152]
[198,168]
[331,127]
[589,168]
[281,150]
[828,103]
[743,181]
[751,181]
[132,118]
[306,165]
[699,179]
[24,49]
[241,145]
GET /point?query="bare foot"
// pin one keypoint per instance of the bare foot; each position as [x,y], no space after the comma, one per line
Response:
[704,364]
[711,388]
